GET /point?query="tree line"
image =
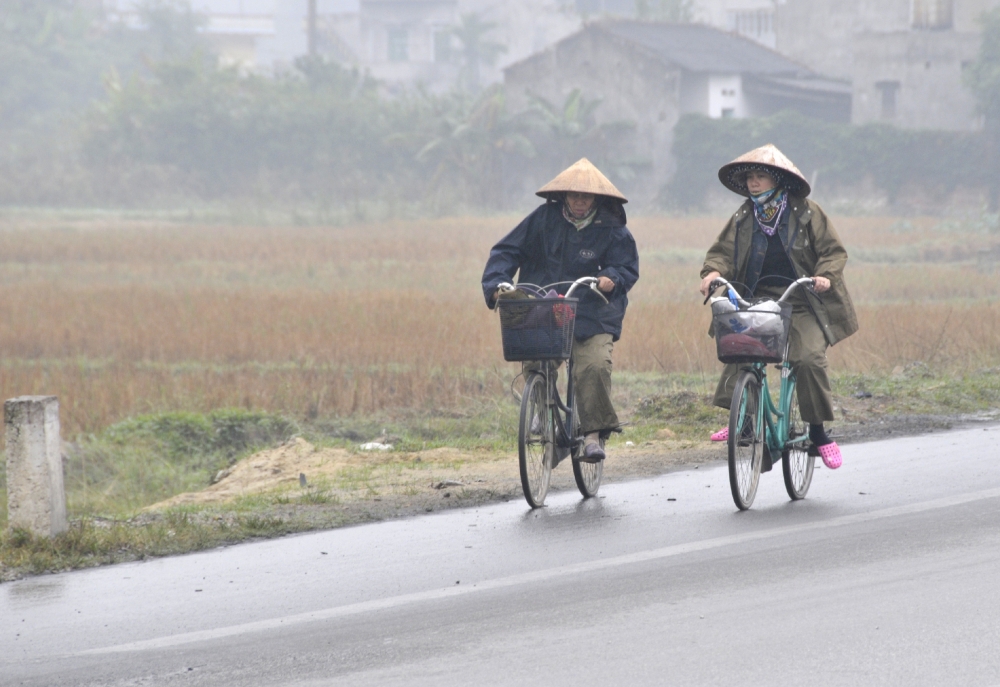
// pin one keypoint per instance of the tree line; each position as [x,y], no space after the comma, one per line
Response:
[95,114]
[92,115]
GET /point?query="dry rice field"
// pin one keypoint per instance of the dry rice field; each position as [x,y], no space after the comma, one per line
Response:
[124,317]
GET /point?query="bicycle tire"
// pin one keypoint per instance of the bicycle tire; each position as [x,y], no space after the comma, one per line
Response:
[587,475]
[796,463]
[746,440]
[535,448]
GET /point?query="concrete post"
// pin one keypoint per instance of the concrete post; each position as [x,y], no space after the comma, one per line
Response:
[36,498]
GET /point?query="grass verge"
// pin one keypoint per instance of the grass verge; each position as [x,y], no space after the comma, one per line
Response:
[112,476]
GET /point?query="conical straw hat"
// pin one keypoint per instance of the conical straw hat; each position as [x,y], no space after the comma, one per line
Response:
[581,177]
[769,159]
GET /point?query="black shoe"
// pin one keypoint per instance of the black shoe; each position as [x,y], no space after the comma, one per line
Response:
[746,436]
[536,425]
[592,453]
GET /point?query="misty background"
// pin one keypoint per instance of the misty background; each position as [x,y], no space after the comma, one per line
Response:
[351,109]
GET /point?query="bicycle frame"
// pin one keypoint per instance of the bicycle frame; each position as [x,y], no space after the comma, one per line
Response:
[775,419]
[568,444]
[555,405]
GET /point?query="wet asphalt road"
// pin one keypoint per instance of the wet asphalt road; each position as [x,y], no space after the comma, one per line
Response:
[888,574]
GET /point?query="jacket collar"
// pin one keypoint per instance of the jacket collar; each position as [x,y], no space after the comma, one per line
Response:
[798,205]
[609,215]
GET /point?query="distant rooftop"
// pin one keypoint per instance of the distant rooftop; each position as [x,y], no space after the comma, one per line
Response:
[701,48]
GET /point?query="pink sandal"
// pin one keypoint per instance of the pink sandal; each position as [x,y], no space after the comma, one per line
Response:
[830,453]
[721,435]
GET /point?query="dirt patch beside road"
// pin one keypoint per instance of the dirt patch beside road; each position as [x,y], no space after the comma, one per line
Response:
[333,486]
[298,473]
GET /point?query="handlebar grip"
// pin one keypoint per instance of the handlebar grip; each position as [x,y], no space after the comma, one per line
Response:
[715,283]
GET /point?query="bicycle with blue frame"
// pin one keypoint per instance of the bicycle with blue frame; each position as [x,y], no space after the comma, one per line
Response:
[754,334]
[538,327]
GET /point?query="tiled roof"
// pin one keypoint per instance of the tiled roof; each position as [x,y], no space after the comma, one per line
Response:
[700,48]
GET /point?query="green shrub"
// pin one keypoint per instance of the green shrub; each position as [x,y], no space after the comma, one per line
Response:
[149,458]
[841,155]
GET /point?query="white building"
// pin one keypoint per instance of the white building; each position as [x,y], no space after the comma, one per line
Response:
[904,58]
[404,42]
[407,42]
[257,34]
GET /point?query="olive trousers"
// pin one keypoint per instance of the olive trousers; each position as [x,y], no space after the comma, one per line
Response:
[807,354]
[592,382]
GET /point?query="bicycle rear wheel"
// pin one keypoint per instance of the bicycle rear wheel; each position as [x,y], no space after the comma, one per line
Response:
[746,440]
[535,444]
[796,463]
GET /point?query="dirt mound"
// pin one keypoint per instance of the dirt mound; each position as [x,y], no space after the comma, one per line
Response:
[298,471]
[300,468]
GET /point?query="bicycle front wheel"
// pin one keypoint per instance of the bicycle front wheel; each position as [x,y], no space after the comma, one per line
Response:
[535,441]
[796,463]
[746,440]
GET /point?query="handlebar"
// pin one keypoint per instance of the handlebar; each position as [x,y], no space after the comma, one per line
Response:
[720,281]
[589,282]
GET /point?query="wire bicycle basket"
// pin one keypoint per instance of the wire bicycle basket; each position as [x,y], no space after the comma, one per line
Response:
[537,328]
[757,334]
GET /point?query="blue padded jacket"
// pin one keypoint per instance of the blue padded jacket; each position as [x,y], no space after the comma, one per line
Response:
[546,248]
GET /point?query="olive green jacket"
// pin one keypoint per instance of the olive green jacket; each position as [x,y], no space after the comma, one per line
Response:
[815,251]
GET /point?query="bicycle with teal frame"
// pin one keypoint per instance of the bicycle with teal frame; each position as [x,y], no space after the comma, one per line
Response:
[759,427]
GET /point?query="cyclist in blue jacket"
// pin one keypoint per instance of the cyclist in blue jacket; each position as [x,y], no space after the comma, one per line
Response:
[578,232]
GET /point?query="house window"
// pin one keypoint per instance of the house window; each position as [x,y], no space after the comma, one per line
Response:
[728,113]
[756,24]
[889,90]
[933,14]
[398,39]
[592,7]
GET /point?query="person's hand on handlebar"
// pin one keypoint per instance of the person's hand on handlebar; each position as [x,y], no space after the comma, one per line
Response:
[605,284]
[821,284]
[500,289]
[707,282]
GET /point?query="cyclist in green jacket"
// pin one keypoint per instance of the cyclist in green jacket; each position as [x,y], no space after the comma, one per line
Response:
[775,237]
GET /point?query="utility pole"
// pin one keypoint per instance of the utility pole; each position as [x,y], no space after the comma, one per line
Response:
[312,28]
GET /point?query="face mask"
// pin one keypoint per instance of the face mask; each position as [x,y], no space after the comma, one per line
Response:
[762,198]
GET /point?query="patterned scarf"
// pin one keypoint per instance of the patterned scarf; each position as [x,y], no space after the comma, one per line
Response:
[769,207]
[580,224]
